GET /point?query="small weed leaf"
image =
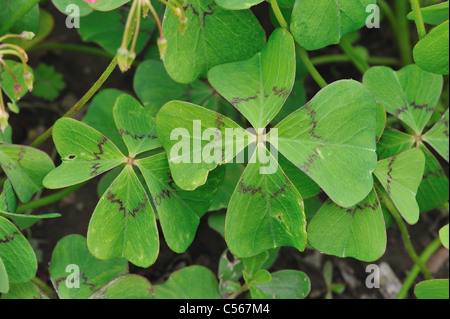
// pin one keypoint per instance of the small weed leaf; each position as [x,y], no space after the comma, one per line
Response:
[93,273]
[432,289]
[357,232]
[135,125]
[193,282]
[85,154]
[401,176]
[284,284]
[8,198]
[432,52]
[16,254]
[207,41]
[393,142]
[106,5]
[47,82]
[434,14]
[438,136]
[179,211]
[25,168]
[237,4]
[123,223]
[410,94]
[317,24]
[443,235]
[434,190]
[262,84]
[347,150]
[178,133]
[271,209]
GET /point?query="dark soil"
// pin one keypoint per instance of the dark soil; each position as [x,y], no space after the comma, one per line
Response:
[81,70]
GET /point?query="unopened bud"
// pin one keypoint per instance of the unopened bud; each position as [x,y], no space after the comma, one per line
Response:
[4,116]
[18,90]
[28,78]
[162,46]
[123,58]
[27,35]
[177,12]
[145,8]
[182,25]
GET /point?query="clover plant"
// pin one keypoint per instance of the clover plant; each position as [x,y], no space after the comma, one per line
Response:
[230,121]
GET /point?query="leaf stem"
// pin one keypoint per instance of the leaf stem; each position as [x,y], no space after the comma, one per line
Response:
[350,51]
[44,201]
[403,31]
[279,15]
[241,290]
[405,235]
[427,253]
[333,58]
[303,55]
[16,16]
[415,5]
[44,287]
[81,102]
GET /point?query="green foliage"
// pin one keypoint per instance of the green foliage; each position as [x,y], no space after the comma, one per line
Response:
[47,82]
[317,24]
[207,42]
[330,175]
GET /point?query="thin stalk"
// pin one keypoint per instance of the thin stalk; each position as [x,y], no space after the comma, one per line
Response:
[303,55]
[403,31]
[279,15]
[16,16]
[336,58]
[350,51]
[47,200]
[415,5]
[241,290]
[405,235]
[168,4]
[427,253]
[44,287]
[81,102]
[301,52]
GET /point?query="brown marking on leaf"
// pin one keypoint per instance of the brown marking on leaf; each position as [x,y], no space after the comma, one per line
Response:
[205,13]
[361,208]
[236,100]
[283,92]
[310,161]
[390,179]
[445,122]
[20,155]
[9,238]
[95,169]
[123,132]
[219,121]
[437,173]
[140,208]
[280,191]
[92,287]
[400,110]
[250,188]
[112,198]
[158,198]
[422,107]
[100,144]
[312,114]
